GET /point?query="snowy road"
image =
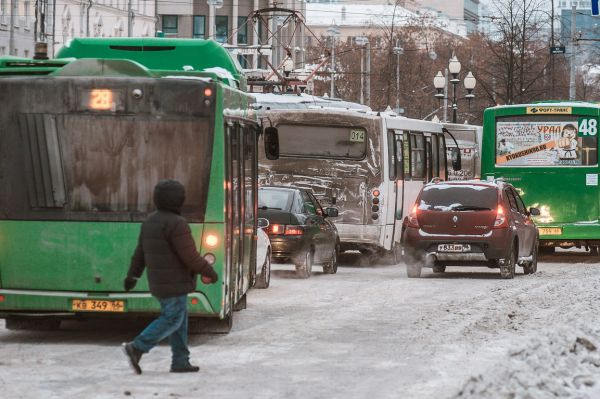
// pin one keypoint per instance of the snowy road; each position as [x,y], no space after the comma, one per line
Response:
[367,332]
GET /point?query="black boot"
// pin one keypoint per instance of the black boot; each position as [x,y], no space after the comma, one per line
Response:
[188,368]
[134,355]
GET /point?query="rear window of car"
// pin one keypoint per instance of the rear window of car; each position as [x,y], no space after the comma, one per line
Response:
[274,199]
[446,197]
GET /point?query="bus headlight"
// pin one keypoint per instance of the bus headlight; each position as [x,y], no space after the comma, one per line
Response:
[211,240]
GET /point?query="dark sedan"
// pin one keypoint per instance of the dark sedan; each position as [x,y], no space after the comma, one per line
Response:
[299,229]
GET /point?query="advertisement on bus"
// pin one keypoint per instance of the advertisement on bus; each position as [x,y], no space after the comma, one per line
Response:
[547,143]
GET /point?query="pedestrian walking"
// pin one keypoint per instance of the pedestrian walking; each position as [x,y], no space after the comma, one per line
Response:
[166,248]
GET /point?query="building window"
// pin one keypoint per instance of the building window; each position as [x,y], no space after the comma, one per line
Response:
[243,61]
[242,33]
[221,31]
[199,26]
[169,24]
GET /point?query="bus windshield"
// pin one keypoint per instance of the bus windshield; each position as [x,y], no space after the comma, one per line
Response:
[94,167]
[546,140]
[339,142]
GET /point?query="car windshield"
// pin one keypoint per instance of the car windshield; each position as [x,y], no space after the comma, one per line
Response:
[274,199]
[446,197]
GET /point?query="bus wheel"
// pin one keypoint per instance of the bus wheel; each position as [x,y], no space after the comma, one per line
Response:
[35,324]
[413,269]
[305,269]
[594,250]
[264,279]
[332,266]
[241,304]
[204,325]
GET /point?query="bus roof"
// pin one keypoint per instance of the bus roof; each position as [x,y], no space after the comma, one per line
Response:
[161,54]
[548,104]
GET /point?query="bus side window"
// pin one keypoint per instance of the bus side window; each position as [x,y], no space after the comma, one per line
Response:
[399,148]
[417,156]
[442,156]
[392,159]
[406,158]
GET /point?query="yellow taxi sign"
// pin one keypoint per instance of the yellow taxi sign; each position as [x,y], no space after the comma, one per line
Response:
[549,110]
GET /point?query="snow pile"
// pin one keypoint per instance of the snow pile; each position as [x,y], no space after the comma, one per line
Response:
[564,364]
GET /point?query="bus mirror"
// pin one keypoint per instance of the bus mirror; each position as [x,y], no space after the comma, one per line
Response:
[271,137]
[455,156]
[262,223]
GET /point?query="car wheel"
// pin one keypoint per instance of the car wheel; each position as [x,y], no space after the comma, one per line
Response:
[439,268]
[531,267]
[264,279]
[305,269]
[413,269]
[332,266]
[507,270]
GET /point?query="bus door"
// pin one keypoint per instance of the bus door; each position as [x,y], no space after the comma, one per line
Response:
[395,193]
[415,168]
[249,204]
[234,200]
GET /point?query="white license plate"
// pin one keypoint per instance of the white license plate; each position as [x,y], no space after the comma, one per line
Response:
[454,247]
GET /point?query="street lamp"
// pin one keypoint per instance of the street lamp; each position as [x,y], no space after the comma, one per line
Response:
[398,51]
[333,31]
[440,82]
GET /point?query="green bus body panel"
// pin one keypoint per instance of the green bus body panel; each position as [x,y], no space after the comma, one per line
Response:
[89,258]
[172,54]
[561,191]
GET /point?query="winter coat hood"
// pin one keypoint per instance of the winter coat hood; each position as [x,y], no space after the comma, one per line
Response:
[169,195]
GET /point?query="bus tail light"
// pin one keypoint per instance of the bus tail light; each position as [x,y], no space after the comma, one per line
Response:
[2,298]
[194,301]
[500,220]
[412,217]
[211,240]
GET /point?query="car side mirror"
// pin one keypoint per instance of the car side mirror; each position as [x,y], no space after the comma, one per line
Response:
[331,212]
[534,211]
[271,138]
[262,223]
[456,158]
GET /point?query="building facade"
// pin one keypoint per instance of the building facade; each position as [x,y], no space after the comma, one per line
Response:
[17,24]
[230,25]
[58,22]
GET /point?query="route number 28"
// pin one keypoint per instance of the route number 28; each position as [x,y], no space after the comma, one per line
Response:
[588,126]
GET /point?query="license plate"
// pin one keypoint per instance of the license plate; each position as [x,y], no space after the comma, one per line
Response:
[454,248]
[95,305]
[550,231]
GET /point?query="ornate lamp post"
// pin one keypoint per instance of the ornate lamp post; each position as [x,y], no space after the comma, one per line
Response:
[440,82]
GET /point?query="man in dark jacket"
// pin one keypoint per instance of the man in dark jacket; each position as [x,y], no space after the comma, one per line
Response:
[167,249]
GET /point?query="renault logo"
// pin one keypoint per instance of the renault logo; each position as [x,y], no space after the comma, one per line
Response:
[455,218]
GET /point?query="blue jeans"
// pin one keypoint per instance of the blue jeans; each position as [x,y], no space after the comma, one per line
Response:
[172,323]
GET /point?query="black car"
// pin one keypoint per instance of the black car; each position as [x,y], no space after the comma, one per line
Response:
[299,229]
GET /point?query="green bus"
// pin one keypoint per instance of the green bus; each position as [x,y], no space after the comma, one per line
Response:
[83,141]
[549,152]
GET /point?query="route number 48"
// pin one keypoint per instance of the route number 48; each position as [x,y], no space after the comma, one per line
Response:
[588,127]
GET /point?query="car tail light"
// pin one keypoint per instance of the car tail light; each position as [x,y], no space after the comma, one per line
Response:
[276,229]
[500,220]
[282,229]
[412,217]
[293,231]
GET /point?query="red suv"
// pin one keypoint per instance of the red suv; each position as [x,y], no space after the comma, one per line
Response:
[477,223]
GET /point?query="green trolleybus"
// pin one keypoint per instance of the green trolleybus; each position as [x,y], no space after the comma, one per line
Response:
[83,141]
[549,152]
